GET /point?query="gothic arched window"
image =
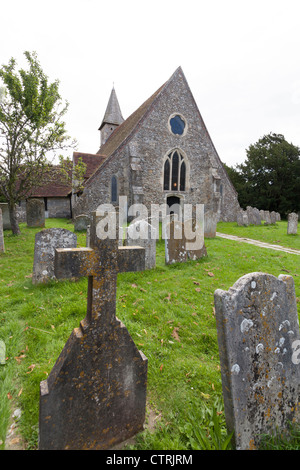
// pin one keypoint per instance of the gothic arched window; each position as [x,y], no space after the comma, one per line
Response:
[114,189]
[174,172]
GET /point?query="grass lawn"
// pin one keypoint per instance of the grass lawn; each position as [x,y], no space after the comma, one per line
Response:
[169,312]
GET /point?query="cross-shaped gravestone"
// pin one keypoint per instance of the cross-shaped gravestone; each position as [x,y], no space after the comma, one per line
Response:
[95,395]
[259,346]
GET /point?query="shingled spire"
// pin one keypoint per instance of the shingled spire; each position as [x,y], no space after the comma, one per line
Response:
[112,117]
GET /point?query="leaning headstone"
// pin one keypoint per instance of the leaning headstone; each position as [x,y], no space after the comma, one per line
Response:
[81,222]
[143,234]
[46,241]
[259,347]
[267,218]
[35,213]
[1,233]
[292,223]
[95,395]
[175,242]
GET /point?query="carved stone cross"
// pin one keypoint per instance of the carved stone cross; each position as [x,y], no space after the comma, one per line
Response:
[95,395]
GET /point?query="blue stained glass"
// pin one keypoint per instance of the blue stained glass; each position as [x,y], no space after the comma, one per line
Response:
[177,125]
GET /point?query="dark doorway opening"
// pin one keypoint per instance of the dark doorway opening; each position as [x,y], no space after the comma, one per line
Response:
[173,203]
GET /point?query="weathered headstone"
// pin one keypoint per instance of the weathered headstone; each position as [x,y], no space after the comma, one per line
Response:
[278,217]
[256,216]
[262,214]
[1,233]
[267,218]
[259,347]
[46,241]
[194,235]
[5,215]
[273,217]
[250,214]
[95,395]
[242,218]
[35,213]
[175,242]
[81,222]
[292,223]
[210,224]
[141,233]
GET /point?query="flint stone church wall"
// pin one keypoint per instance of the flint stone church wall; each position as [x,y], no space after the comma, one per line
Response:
[138,163]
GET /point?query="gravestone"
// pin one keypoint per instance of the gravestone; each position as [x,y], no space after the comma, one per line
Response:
[5,216]
[250,214]
[210,224]
[262,214]
[267,218]
[35,213]
[194,235]
[95,395]
[242,218]
[256,216]
[259,347]
[81,222]
[292,223]
[273,217]
[44,251]
[175,242]
[143,234]
[1,233]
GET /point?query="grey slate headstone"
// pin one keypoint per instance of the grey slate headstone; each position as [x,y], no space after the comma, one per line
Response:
[46,241]
[259,347]
[35,213]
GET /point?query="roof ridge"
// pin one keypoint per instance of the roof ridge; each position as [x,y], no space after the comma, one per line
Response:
[148,104]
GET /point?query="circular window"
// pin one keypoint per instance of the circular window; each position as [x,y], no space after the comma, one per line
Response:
[177,124]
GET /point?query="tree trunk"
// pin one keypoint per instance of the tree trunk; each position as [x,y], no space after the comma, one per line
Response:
[13,219]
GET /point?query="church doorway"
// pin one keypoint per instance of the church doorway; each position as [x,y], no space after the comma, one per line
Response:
[173,203]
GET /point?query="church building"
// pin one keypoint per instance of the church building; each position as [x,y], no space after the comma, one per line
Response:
[162,153]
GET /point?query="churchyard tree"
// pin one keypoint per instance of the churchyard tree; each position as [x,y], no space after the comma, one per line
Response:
[269,179]
[31,128]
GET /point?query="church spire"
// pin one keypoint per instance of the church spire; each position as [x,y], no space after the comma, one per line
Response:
[112,117]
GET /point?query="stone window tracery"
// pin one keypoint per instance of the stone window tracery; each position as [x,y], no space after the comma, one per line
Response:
[174,172]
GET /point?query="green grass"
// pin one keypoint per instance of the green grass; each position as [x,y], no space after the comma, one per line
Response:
[274,234]
[169,312]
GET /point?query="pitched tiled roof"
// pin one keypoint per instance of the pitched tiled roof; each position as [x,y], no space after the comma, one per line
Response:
[91,160]
[54,186]
[122,132]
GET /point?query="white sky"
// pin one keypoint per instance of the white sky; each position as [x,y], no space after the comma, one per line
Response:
[241,59]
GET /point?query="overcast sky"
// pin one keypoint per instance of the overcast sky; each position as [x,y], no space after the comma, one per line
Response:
[241,59]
